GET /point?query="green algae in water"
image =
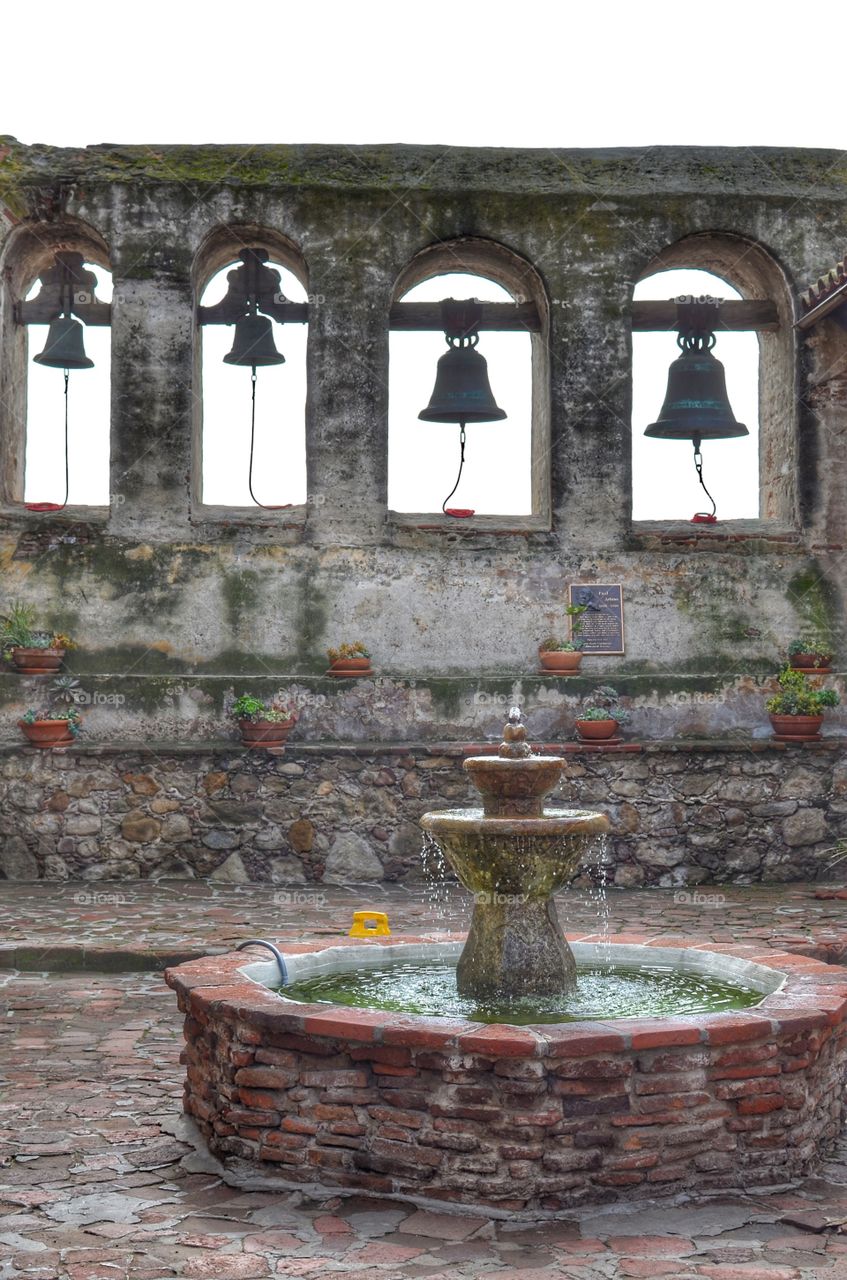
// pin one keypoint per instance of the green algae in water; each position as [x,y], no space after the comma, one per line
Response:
[614,991]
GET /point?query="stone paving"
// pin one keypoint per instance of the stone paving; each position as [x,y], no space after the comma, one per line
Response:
[98,1178]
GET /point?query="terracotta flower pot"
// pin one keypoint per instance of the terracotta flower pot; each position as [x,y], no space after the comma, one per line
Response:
[811,661]
[562,661]
[797,728]
[266,733]
[346,667]
[597,730]
[36,662]
[47,733]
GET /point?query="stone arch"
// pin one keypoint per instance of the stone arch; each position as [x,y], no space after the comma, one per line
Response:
[28,250]
[219,249]
[477,255]
[752,269]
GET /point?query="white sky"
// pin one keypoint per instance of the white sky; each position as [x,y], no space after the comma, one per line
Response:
[543,74]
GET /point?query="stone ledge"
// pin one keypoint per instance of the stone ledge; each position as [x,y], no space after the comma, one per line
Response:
[452,750]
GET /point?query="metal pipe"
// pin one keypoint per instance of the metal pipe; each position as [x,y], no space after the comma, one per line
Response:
[260,942]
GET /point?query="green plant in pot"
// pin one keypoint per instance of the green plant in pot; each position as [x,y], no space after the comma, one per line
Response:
[352,659]
[797,709]
[30,650]
[810,652]
[602,716]
[263,724]
[563,657]
[57,722]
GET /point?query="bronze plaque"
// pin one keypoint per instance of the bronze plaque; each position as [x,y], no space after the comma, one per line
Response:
[602,623]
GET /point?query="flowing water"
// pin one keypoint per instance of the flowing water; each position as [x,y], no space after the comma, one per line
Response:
[605,991]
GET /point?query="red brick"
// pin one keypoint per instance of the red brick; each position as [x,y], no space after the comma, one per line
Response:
[760,1105]
[725,1028]
[583,1040]
[397,1056]
[391,1115]
[265,1077]
[754,1071]
[498,1041]
[247,1115]
[339,1079]
[674,1082]
[350,1024]
[260,1099]
[655,1033]
[296,1124]
[747,1088]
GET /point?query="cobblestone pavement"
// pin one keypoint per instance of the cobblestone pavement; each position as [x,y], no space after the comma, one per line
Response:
[63,924]
[98,1180]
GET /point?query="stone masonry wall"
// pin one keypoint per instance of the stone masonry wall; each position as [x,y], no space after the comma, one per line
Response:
[682,813]
[160,586]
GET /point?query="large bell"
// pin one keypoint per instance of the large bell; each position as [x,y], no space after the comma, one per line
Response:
[64,348]
[696,404]
[462,392]
[253,343]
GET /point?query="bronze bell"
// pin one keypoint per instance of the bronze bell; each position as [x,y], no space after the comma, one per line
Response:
[253,343]
[696,405]
[462,392]
[64,348]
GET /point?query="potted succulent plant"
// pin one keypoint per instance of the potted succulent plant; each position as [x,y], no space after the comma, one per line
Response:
[31,651]
[57,722]
[602,716]
[564,656]
[796,711]
[349,660]
[810,653]
[263,724]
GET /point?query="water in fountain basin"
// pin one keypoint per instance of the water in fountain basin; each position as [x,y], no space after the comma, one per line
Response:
[613,991]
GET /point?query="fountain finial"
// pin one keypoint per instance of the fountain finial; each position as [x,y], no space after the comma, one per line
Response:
[514,745]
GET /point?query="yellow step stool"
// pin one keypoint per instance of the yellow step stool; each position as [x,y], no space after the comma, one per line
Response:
[369,924]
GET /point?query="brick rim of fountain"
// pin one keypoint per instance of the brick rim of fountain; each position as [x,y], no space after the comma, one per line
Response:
[630,1107]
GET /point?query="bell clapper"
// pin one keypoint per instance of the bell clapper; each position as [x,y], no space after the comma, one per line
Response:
[458,513]
[703,517]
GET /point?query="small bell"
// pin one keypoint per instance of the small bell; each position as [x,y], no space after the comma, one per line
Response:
[253,343]
[64,348]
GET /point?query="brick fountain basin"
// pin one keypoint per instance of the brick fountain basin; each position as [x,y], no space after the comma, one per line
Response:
[526,1120]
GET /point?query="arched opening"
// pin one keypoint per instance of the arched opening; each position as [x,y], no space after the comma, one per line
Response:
[753,477]
[664,481]
[241,462]
[89,394]
[506,469]
[40,465]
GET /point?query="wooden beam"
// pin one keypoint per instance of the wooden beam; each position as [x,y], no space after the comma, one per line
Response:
[735,316]
[284,312]
[512,317]
[41,311]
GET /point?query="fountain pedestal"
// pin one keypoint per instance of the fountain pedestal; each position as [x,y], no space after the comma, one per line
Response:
[513,855]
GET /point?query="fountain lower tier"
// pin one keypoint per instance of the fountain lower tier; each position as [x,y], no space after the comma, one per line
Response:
[513,866]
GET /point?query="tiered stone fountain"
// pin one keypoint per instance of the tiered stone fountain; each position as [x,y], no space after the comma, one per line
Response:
[291,1092]
[513,855]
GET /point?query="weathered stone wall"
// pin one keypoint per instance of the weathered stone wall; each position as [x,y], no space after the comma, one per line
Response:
[682,814]
[176,605]
[160,584]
